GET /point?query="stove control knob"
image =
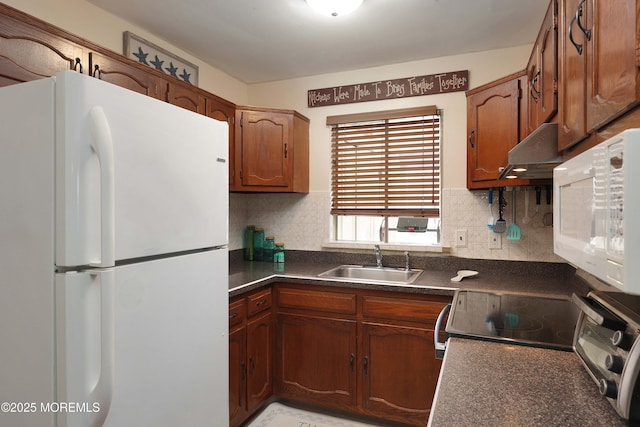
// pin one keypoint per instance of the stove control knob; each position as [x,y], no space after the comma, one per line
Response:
[608,388]
[622,340]
[614,363]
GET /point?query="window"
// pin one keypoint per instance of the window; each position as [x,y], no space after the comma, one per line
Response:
[385,175]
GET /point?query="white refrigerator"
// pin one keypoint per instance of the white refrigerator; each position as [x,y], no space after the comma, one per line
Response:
[113,258]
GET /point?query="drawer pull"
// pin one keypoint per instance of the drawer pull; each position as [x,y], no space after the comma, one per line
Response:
[261,302]
[233,315]
[585,31]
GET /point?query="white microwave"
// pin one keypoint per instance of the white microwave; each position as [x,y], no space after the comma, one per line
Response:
[596,211]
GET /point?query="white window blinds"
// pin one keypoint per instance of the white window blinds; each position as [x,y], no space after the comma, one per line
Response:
[386,163]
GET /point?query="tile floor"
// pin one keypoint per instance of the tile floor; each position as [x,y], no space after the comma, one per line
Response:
[279,415]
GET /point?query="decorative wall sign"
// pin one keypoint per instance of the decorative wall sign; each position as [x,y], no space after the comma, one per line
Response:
[147,53]
[390,89]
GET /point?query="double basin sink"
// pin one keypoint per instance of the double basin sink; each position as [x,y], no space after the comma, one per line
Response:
[361,273]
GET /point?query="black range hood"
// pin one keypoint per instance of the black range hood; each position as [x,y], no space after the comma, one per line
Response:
[535,156]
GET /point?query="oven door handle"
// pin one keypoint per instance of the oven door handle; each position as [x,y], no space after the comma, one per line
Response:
[598,314]
[440,346]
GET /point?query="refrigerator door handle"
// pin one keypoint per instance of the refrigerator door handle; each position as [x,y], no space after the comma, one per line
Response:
[103,388]
[102,145]
[85,344]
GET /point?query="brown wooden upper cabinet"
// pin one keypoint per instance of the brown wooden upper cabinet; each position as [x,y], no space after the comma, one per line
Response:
[496,122]
[271,151]
[29,53]
[185,96]
[116,69]
[542,72]
[598,65]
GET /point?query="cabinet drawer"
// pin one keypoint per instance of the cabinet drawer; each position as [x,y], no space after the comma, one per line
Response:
[258,302]
[237,312]
[404,309]
[334,302]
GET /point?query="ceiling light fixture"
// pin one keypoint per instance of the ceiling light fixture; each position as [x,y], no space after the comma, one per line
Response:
[334,7]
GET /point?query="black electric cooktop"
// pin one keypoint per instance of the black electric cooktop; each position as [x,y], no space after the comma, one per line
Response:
[519,319]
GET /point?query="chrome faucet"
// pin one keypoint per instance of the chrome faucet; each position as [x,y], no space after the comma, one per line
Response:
[376,250]
[407,267]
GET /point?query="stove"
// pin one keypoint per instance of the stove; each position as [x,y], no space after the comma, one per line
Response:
[537,321]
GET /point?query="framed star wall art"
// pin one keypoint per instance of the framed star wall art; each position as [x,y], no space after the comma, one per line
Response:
[145,52]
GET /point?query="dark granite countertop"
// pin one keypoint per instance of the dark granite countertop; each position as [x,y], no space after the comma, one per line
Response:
[494,384]
[498,276]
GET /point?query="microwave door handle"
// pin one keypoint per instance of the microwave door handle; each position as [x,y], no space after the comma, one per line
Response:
[440,346]
[599,315]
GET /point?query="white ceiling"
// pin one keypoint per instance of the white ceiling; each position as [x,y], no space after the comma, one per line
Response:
[268,40]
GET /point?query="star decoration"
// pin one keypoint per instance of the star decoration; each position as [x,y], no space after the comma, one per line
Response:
[142,57]
[172,69]
[157,63]
[185,76]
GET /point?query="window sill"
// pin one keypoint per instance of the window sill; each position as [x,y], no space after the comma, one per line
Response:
[400,247]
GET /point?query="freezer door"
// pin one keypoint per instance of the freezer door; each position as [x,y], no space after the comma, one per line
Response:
[145,344]
[135,176]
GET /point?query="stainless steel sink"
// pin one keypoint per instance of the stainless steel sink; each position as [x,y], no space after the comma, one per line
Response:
[372,274]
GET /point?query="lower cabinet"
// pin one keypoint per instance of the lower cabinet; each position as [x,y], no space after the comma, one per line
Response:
[399,373]
[362,351]
[316,359]
[250,355]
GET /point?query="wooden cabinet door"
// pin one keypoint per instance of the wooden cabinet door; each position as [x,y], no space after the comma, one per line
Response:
[237,376]
[117,71]
[224,111]
[598,65]
[542,72]
[492,121]
[400,372]
[572,64]
[259,360]
[612,59]
[264,147]
[185,97]
[316,360]
[29,53]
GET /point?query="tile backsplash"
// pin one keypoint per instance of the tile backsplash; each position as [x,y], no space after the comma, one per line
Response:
[302,222]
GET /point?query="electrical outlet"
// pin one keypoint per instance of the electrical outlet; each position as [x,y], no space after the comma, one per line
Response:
[461,238]
[495,240]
